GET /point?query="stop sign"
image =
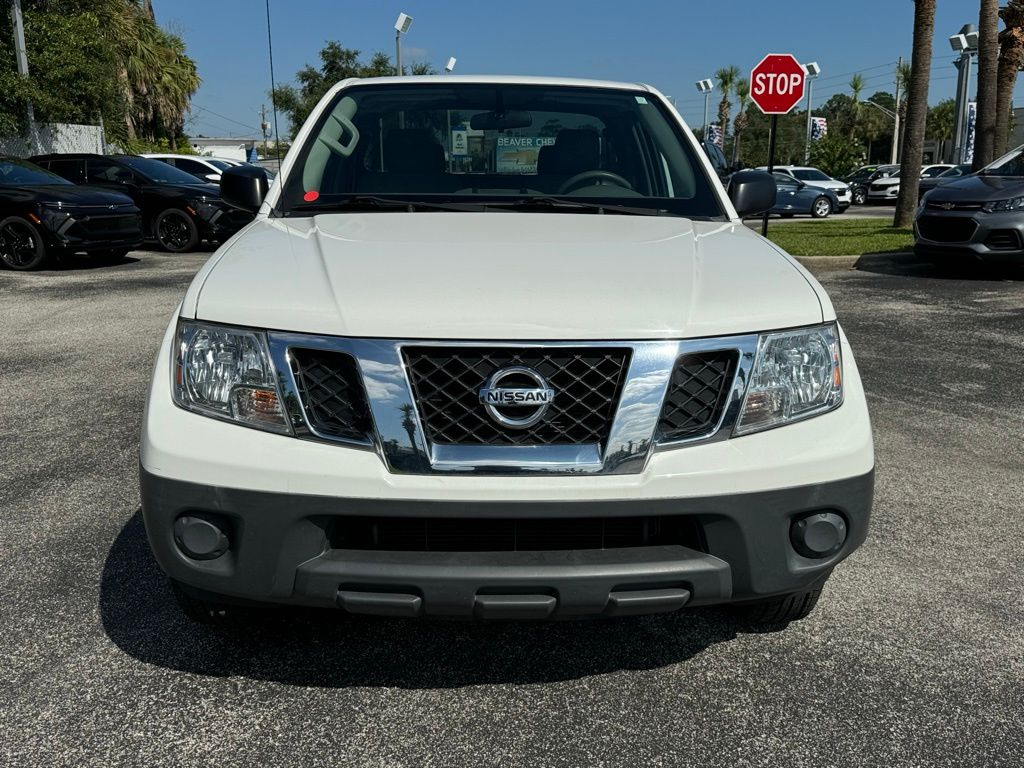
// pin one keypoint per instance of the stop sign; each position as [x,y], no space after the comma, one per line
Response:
[777,83]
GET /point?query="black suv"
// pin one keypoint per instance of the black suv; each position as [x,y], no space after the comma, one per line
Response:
[178,210]
[43,215]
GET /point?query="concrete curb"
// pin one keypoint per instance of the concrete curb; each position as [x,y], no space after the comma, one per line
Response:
[828,262]
[824,263]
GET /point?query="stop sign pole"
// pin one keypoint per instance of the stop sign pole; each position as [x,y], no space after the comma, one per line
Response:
[776,86]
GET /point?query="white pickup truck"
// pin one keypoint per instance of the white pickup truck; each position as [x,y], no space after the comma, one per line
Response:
[503,348]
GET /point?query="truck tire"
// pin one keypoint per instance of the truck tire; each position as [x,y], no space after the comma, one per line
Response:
[782,609]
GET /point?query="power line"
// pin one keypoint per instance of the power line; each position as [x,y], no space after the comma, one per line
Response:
[223,117]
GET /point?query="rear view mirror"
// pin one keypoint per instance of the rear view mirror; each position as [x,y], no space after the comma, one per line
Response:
[501,121]
[244,187]
[752,192]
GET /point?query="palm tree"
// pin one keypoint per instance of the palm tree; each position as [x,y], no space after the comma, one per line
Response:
[176,82]
[917,111]
[988,68]
[742,89]
[155,76]
[726,77]
[856,89]
[1011,60]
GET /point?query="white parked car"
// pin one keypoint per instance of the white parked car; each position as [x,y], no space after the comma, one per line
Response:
[570,383]
[888,188]
[814,177]
[205,168]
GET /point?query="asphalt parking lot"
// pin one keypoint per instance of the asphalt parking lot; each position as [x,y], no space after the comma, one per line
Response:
[915,656]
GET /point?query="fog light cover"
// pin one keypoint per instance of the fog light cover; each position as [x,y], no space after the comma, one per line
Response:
[797,374]
[227,373]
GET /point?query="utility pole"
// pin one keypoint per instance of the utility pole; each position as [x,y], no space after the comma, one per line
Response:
[895,155]
[21,55]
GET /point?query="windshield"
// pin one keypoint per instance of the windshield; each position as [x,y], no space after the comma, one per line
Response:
[1010,164]
[929,173]
[810,174]
[15,173]
[158,171]
[956,170]
[480,145]
[220,165]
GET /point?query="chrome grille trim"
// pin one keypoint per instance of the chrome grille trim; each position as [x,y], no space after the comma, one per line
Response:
[400,439]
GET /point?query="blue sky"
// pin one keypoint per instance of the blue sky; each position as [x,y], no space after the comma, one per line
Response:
[668,44]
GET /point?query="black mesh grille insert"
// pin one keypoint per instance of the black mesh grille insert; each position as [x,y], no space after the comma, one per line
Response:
[411,534]
[447,383]
[946,229]
[332,393]
[696,394]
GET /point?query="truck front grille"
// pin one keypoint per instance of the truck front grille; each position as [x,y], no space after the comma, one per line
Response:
[446,382]
[437,534]
[332,394]
[697,393]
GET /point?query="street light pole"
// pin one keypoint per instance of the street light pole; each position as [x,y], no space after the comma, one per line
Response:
[966,43]
[401,27]
[705,87]
[811,71]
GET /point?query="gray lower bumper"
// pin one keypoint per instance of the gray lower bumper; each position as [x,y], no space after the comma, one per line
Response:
[281,552]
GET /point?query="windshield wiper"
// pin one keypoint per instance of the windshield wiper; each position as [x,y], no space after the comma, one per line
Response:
[540,203]
[374,203]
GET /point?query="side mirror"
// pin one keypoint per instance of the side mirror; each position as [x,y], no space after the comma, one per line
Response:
[213,178]
[752,192]
[244,187]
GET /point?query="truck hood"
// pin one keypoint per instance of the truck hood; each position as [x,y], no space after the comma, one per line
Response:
[503,276]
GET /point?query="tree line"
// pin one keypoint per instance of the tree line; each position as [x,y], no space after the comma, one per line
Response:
[92,60]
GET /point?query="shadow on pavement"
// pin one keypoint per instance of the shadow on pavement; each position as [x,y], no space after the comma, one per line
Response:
[326,648]
[78,262]
[907,264]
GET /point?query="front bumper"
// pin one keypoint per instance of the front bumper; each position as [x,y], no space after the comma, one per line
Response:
[85,232]
[887,194]
[281,499]
[283,551]
[954,235]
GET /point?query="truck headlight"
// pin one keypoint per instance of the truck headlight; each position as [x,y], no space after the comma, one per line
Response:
[227,373]
[796,374]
